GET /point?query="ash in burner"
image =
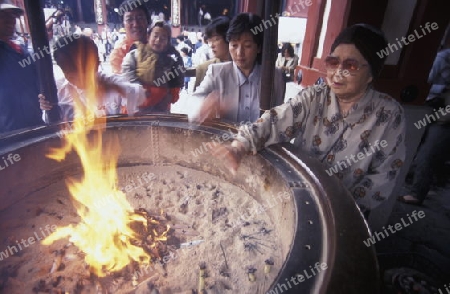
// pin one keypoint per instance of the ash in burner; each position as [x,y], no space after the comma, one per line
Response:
[153,236]
[212,223]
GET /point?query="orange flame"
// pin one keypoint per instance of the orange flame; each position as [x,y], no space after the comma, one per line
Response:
[104,233]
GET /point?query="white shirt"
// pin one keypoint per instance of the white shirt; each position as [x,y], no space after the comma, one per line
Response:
[109,104]
[248,94]
[229,94]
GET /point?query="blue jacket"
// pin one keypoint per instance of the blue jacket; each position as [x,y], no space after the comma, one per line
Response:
[439,76]
[19,105]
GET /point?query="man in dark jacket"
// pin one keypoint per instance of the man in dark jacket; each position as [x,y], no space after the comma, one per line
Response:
[19,106]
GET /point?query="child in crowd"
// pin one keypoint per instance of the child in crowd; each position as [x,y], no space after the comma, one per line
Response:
[83,84]
[158,66]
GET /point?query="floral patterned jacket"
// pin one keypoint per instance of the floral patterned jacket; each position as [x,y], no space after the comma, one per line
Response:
[365,149]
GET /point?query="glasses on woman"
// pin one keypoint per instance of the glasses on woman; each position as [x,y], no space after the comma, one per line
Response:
[349,65]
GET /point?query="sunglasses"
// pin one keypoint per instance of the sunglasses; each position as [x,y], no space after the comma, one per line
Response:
[350,65]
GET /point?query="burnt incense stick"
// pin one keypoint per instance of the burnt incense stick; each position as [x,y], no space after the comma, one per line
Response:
[251,274]
[223,252]
[268,265]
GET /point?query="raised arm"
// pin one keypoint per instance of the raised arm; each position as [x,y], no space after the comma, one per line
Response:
[279,124]
[204,102]
[117,55]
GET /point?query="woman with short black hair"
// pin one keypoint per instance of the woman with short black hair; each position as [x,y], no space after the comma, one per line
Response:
[216,37]
[231,90]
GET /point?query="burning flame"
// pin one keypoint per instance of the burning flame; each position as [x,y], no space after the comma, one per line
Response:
[103,233]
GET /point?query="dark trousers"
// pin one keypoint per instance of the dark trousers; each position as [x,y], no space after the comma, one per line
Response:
[431,157]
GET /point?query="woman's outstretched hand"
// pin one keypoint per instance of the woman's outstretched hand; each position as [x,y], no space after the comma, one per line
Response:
[231,156]
[207,110]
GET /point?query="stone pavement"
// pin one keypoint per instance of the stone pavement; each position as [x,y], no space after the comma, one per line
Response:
[423,245]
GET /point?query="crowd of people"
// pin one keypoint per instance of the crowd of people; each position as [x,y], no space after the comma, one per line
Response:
[330,122]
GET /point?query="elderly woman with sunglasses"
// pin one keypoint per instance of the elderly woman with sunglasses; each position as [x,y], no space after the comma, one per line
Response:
[355,131]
